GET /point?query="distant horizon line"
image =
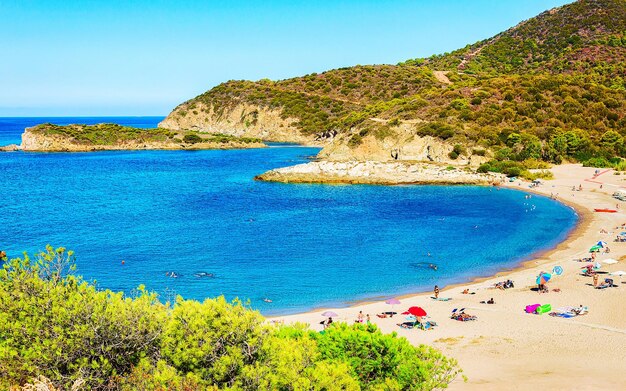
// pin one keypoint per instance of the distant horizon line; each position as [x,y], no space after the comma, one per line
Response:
[82,116]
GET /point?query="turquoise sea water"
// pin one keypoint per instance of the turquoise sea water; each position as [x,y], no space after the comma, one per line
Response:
[302,246]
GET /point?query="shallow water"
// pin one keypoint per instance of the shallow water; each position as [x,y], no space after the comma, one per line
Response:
[302,246]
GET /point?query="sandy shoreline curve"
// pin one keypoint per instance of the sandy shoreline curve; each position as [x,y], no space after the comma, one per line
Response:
[507,348]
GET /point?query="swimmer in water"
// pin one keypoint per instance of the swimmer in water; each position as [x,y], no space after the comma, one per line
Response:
[267,300]
[433,266]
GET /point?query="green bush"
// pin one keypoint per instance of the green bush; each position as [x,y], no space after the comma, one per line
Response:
[192,139]
[385,361]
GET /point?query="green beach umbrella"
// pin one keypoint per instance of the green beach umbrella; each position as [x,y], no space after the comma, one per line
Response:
[594,249]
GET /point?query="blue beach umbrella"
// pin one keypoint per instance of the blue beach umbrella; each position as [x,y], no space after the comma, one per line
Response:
[558,270]
[601,244]
[542,278]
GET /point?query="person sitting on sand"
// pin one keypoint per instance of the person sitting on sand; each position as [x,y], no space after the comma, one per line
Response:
[436,291]
[465,292]
[328,322]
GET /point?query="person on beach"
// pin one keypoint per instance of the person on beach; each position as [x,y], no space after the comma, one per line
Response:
[3,255]
[436,292]
[367,320]
[595,279]
[328,322]
[359,317]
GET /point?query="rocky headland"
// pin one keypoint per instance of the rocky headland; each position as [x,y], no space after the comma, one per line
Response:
[103,137]
[379,173]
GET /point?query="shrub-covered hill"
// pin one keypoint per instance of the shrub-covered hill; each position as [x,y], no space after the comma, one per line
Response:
[551,88]
[59,332]
[586,36]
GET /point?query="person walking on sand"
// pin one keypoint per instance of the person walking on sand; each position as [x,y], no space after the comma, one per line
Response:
[436,292]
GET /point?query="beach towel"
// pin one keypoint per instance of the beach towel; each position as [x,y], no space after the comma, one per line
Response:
[543,309]
[441,298]
[530,309]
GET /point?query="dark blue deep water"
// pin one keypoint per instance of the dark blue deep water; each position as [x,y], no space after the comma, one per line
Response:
[302,246]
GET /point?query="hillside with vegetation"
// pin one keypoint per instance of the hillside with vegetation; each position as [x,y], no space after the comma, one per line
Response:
[551,89]
[50,137]
[58,332]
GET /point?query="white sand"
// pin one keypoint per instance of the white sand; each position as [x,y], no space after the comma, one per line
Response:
[509,349]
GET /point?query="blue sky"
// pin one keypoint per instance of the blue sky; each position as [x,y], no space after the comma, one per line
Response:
[141,57]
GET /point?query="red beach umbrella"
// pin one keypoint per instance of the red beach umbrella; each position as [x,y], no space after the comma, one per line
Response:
[417,311]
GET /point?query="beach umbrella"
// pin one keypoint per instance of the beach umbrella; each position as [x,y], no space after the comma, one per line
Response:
[594,249]
[558,270]
[601,244]
[417,311]
[392,302]
[620,273]
[610,261]
[329,314]
[543,277]
[623,233]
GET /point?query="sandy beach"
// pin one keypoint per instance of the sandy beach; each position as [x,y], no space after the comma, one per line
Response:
[506,348]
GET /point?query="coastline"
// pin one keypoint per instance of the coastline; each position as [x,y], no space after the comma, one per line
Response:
[534,259]
[379,173]
[478,339]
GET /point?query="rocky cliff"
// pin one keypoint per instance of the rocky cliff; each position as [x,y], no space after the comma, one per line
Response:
[239,120]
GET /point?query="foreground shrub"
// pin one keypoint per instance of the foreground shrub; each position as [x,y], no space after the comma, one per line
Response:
[58,331]
[385,361]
